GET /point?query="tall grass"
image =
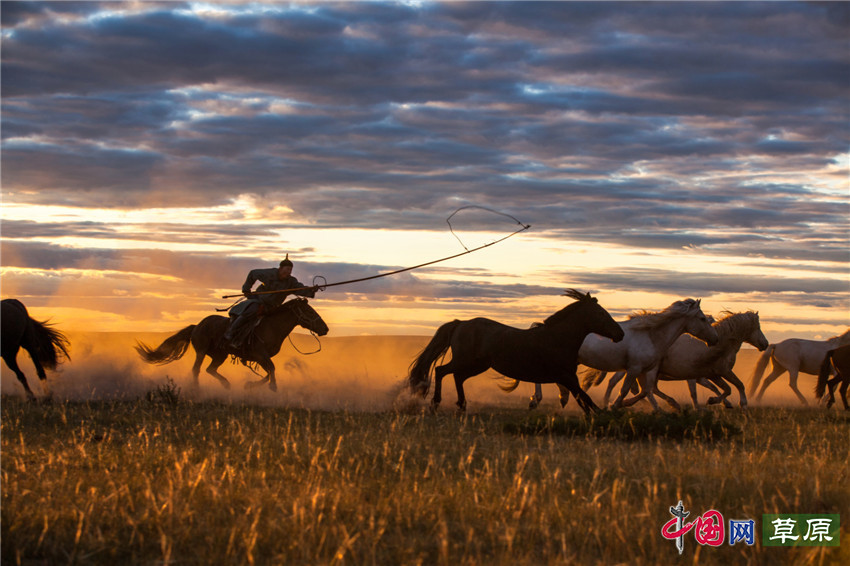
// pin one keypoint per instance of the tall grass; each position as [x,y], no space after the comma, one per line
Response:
[165,481]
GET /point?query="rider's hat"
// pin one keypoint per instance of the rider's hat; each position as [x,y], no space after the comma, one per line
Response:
[286,261]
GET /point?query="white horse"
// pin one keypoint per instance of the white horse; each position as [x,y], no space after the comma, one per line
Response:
[647,337]
[692,360]
[794,355]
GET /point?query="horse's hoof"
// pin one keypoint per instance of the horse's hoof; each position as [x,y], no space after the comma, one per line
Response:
[533,404]
[225,384]
[273,386]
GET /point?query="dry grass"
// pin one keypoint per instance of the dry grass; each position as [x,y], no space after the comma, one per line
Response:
[163,480]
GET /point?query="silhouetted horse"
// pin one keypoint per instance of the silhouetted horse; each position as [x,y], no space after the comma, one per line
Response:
[839,359]
[545,353]
[647,336]
[794,355]
[45,345]
[207,337]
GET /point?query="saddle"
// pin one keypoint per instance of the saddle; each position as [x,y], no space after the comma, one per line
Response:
[244,334]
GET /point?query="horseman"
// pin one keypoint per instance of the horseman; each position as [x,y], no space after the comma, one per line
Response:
[277,279]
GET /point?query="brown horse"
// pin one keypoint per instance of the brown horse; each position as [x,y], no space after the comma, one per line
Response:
[839,359]
[545,353]
[46,346]
[207,337]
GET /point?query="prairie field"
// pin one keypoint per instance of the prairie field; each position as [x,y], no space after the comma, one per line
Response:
[168,475]
[161,480]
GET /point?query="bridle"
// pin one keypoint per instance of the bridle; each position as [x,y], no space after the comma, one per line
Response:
[306,321]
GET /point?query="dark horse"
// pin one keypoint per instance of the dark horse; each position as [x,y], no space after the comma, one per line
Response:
[207,337]
[45,345]
[838,358]
[545,353]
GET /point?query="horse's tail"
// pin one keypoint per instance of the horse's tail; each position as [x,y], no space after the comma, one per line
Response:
[592,377]
[759,369]
[419,379]
[170,350]
[823,375]
[51,346]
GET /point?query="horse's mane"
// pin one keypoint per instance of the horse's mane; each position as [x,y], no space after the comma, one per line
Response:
[646,319]
[567,310]
[733,324]
[286,306]
[840,337]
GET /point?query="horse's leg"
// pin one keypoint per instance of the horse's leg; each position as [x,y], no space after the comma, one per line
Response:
[12,363]
[670,400]
[831,384]
[720,396]
[775,372]
[692,389]
[615,379]
[647,383]
[537,397]
[734,380]
[39,369]
[630,378]
[792,382]
[268,365]
[217,359]
[461,396]
[439,373]
[462,372]
[719,387]
[563,395]
[571,384]
[845,382]
[196,367]
[637,379]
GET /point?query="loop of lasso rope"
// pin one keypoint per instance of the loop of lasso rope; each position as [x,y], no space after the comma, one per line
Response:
[523,228]
[243,296]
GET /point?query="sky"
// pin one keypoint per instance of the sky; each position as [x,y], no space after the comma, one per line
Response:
[155,152]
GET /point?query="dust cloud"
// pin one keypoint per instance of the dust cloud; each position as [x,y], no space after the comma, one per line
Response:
[363,373]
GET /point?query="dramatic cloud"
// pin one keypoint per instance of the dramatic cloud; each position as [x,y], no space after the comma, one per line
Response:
[719,128]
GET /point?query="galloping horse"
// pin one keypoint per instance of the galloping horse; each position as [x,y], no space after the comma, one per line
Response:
[45,345]
[839,359]
[546,353]
[794,355]
[693,360]
[207,337]
[647,337]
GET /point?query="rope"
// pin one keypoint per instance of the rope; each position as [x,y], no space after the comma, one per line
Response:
[397,271]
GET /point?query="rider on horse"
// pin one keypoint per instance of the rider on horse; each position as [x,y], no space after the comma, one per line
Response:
[271,279]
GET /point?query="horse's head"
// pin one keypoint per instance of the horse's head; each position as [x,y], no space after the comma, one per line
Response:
[756,337]
[698,324]
[307,316]
[595,318]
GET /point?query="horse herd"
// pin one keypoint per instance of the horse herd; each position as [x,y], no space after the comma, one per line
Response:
[677,343]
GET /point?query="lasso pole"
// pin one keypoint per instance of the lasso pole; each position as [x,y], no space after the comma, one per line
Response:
[396,272]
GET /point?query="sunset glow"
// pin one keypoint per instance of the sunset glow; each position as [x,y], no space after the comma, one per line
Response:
[154,154]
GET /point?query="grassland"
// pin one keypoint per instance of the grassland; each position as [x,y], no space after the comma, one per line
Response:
[163,480]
